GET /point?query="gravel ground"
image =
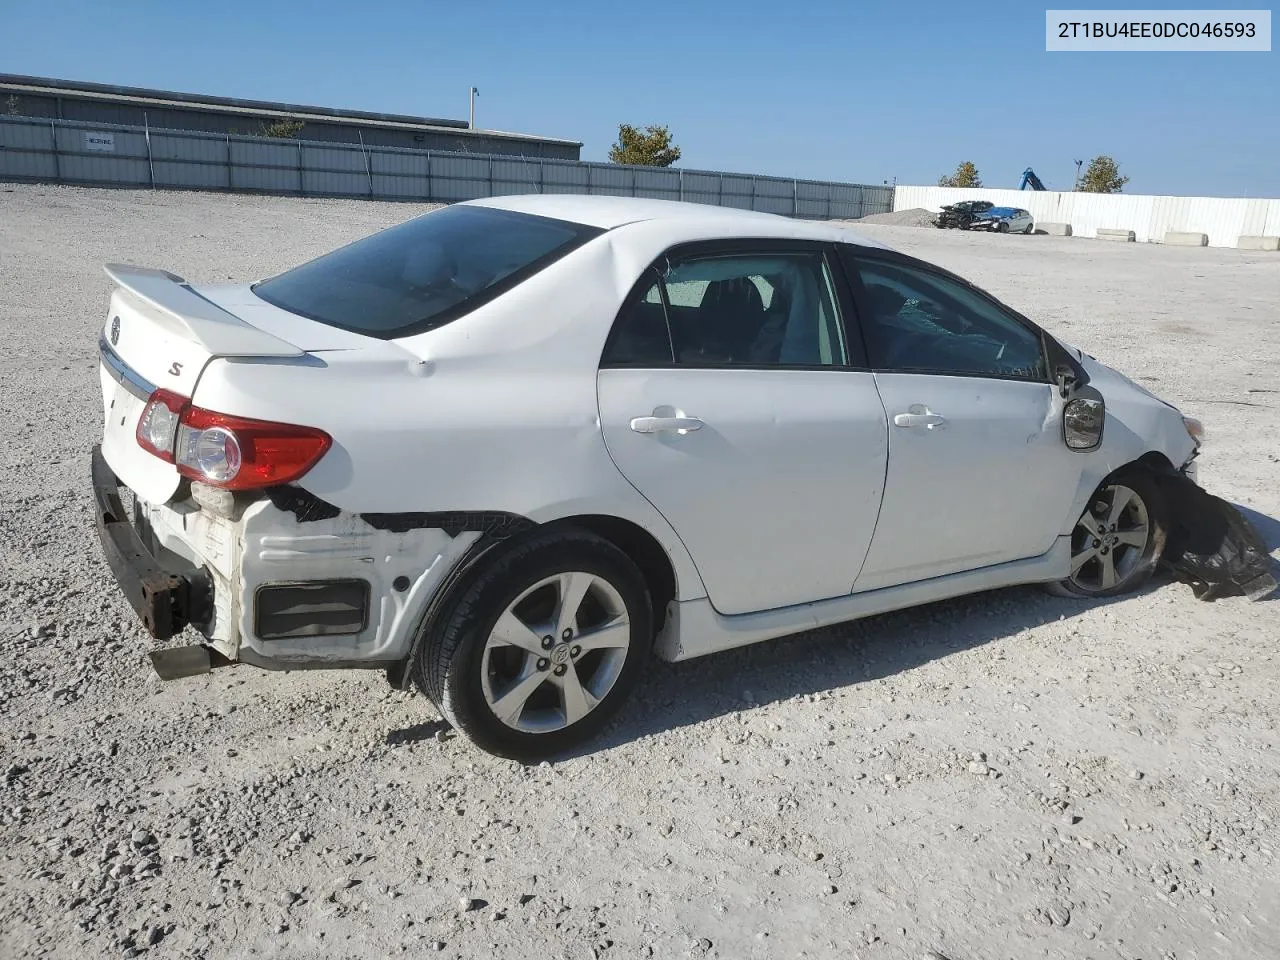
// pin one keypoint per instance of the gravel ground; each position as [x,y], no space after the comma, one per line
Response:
[1007,775]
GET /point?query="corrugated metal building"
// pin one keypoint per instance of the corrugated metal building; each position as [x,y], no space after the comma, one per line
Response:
[164,109]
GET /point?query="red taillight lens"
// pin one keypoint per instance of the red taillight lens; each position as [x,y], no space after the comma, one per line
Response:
[239,454]
[235,453]
[158,425]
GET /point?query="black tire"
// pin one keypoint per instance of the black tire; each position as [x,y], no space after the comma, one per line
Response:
[1145,563]
[1031,228]
[448,665]
[1003,227]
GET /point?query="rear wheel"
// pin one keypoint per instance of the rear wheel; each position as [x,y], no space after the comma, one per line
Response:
[542,648]
[1117,543]
[1030,228]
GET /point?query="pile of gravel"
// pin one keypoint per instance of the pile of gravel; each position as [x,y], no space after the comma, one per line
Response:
[915,217]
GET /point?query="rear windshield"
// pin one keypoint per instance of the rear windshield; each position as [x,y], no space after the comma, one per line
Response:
[425,272]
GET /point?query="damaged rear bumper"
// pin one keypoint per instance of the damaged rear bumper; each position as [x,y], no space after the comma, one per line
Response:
[278,582]
[166,599]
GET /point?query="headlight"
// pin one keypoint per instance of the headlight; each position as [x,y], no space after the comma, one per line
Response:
[1195,429]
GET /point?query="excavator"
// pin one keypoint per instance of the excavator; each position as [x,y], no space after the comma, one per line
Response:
[1029,179]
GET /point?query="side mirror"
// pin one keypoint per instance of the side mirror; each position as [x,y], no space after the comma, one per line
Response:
[1083,420]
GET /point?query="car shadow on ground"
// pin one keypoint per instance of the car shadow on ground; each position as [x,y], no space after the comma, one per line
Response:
[674,695]
[1268,527]
[1269,530]
[427,730]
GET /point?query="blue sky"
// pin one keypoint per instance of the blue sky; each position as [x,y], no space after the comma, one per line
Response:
[832,90]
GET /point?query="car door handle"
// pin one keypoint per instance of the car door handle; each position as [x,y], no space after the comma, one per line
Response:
[665,424]
[927,420]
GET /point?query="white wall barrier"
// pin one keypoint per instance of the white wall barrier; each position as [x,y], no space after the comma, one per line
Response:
[1223,219]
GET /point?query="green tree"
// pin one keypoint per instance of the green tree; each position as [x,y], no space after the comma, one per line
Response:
[966,175]
[1102,176]
[285,129]
[650,147]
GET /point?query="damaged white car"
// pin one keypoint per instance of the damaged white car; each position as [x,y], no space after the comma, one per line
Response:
[508,450]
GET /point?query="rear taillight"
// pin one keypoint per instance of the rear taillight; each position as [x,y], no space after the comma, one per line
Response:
[235,453]
[158,425]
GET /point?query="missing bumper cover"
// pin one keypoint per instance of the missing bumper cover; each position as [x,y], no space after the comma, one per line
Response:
[166,600]
[314,608]
[307,507]
[494,523]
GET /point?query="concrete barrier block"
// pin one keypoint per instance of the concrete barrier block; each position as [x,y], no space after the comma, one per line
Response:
[1112,233]
[1183,238]
[1258,243]
[1054,229]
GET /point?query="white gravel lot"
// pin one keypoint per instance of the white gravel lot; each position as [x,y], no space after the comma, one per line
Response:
[1008,775]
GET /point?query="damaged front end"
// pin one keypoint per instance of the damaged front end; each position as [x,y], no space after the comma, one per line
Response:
[1211,545]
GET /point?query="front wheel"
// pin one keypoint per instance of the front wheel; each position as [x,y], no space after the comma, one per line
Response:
[1117,543]
[542,648]
[1003,227]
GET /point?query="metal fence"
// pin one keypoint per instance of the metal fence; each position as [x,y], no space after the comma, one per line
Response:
[65,151]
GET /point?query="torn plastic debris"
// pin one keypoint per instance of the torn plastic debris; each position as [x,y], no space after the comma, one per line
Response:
[1211,545]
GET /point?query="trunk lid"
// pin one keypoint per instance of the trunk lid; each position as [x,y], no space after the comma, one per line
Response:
[161,332]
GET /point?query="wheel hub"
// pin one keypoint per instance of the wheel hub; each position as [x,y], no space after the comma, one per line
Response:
[1112,536]
[555,652]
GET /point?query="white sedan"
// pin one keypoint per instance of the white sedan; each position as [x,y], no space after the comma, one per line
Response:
[1005,220]
[510,448]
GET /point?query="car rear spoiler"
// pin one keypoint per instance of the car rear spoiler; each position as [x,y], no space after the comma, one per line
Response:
[221,333]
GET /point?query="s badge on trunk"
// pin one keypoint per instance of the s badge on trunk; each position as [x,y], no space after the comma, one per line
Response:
[115,330]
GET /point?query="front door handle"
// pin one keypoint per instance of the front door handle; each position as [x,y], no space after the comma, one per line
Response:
[919,417]
[665,424]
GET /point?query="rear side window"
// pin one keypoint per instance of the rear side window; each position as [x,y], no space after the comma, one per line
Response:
[425,272]
[761,311]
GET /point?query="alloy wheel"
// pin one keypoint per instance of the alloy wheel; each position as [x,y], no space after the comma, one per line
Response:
[555,652]
[1110,540]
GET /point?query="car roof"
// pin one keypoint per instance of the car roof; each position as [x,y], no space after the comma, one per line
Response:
[607,213]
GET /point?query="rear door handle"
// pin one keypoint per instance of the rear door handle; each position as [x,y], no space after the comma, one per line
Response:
[928,419]
[665,424]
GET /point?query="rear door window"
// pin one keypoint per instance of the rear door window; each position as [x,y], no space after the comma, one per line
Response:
[760,310]
[425,272]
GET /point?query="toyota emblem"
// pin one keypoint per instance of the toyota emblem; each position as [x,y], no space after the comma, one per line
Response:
[115,330]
